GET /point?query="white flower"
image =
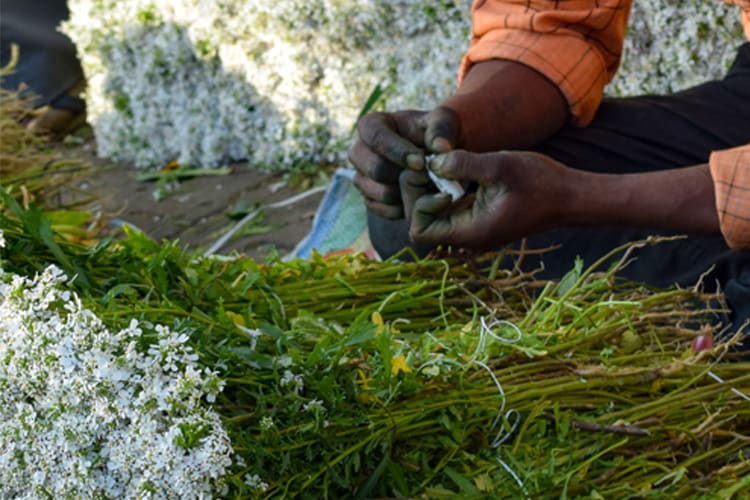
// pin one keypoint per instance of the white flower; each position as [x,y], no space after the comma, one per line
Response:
[295,381]
[266,423]
[2,239]
[314,405]
[85,413]
[205,82]
[255,483]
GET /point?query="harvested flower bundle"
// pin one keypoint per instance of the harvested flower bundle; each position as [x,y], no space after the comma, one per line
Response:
[347,378]
[29,167]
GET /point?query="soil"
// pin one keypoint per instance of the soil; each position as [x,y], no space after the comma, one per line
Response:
[197,211]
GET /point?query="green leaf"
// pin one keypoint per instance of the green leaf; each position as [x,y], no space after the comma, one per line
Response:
[571,278]
[183,173]
[466,486]
[68,218]
[372,99]
[11,203]
[364,492]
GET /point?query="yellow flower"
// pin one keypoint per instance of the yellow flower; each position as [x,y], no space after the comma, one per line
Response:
[236,318]
[398,364]
[364,380]
[377,319]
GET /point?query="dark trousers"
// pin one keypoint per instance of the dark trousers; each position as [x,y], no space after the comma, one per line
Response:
[47,64]
[643,134]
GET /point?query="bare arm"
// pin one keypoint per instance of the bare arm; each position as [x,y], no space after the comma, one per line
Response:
[506,105]
[681,200]
[522,193]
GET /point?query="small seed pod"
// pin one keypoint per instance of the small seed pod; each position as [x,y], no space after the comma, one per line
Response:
[703,342]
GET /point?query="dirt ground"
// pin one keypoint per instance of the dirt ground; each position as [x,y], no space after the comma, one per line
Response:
[197,211]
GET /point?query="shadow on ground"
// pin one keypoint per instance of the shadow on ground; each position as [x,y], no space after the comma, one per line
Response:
[197,212]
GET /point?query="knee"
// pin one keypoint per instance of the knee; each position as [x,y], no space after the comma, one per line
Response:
[390,236]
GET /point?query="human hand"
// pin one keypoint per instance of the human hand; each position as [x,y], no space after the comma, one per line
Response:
[519,193]
[389,156]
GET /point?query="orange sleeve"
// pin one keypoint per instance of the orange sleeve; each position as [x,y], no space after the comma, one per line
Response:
[745,6]
[730,170]
[575,43]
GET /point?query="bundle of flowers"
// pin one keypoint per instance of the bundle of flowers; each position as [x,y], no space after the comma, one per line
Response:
[281,83]
[90,412]
[26,157]
[344,377]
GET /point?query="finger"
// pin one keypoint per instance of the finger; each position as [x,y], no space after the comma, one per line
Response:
[389,194]
[466,166]
[371,165]
[385,211]
[427,223]
[442,129]
[382,132]
[414,184]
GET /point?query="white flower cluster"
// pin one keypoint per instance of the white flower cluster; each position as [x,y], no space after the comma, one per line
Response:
[90,413]
[675,44]
[277,83]
[281,83]
[296,382]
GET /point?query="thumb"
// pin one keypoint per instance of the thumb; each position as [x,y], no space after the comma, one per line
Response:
[442,130]
[463,166]
[428,221]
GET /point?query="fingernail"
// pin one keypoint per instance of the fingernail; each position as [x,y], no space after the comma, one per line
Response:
[441,145]
[415,162]
[437,163]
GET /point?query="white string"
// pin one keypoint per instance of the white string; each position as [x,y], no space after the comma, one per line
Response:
[502,435]
[497,384]
[513,475]
[294,199]
[721,381]
[488,329]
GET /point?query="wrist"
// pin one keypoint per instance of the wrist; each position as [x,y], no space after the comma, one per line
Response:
[594,198]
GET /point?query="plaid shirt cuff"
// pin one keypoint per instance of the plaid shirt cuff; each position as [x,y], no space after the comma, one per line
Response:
[730,170]
[569,62]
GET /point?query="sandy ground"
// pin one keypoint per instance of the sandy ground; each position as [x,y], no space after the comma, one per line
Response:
[197,212]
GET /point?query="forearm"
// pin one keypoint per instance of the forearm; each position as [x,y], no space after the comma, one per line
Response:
[506,105]
[680,200]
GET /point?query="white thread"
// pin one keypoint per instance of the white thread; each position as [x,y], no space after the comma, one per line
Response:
[222,241]
[488,329]
[502,436]
[513,475]
[737,392]
[497,384]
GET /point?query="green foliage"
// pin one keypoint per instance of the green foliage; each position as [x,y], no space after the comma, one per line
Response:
[347,378]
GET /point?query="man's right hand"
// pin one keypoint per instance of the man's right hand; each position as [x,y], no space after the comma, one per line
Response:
[390,144]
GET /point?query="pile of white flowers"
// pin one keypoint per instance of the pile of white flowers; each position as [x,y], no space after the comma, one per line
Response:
[89,413]
[281,83]
[676,44]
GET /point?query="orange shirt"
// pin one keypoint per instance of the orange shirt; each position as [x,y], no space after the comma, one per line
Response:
[577,45]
